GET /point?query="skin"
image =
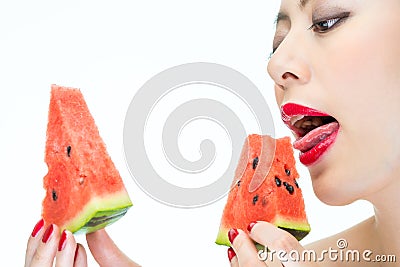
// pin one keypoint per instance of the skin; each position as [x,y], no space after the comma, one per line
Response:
[103,249]
[350,71]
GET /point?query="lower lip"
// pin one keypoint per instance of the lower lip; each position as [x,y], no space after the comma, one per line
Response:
[314,154]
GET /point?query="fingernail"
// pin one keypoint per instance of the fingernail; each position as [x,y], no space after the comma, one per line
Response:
[76,252]
[250,226]
[38,226]
[232,234]
[231,254]
[48,233]
[63,239]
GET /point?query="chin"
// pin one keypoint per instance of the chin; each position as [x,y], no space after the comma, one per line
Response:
[329,190]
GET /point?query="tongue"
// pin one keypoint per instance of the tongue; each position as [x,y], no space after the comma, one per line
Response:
[314,137]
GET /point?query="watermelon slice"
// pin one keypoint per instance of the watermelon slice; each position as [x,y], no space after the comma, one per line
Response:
[276,196]
[84,191]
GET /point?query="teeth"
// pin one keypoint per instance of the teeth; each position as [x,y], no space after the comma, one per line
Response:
[317,121]
[310,123]
[295,119]
[306,124]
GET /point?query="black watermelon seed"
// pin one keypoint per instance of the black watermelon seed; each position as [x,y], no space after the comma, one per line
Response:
[255,199]
[287,172]
[255,163]
[285,184]
[278,181]
[238,183]
[290,189]
[69,151]
[54,195]
[296,184]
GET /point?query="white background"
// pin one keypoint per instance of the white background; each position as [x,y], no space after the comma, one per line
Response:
[109,49]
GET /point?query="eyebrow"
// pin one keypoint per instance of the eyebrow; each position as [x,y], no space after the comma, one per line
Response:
[303,3]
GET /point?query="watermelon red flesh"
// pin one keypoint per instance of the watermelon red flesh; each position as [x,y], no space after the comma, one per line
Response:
[281,205]
[84,191]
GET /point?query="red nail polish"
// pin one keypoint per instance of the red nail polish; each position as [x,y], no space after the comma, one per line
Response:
[63,239]
[232,234]
[38,226]
[76,252]
[250,226]
[231,254]
[48,233]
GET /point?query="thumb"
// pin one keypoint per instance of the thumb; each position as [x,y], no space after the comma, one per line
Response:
[105,252]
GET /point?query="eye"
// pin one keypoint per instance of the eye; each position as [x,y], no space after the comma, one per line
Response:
[325,25]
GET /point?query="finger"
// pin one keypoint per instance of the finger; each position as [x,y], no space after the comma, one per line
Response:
[47,248]
[33,242]
[105,252]
[66,249]
[245,249]
[282,245]
[80,258]
[232,258]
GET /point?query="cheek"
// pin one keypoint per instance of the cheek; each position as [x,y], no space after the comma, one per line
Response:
[362,83]
[362,88]
[362,65]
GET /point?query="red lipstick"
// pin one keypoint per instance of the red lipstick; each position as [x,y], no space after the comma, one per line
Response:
[290,110]
[315,130]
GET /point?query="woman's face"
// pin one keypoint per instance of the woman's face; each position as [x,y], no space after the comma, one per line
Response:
[342,57]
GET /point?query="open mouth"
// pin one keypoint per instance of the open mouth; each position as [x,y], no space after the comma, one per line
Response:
[315,131]
[311,130]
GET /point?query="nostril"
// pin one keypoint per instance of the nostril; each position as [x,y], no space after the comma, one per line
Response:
[288,75]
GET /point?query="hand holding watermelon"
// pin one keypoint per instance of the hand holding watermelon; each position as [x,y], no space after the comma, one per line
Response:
[282,245]
[84,191]
[46,246]
[276,198]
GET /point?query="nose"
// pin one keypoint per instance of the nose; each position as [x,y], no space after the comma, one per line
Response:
[289,65]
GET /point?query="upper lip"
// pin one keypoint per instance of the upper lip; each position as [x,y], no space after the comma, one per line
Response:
[300,118]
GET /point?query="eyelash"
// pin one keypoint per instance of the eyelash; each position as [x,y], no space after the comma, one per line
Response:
[317,26]
[325,25]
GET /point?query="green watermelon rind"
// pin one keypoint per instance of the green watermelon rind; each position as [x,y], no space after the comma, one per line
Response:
[99,213]
[222,237]
[298,229]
